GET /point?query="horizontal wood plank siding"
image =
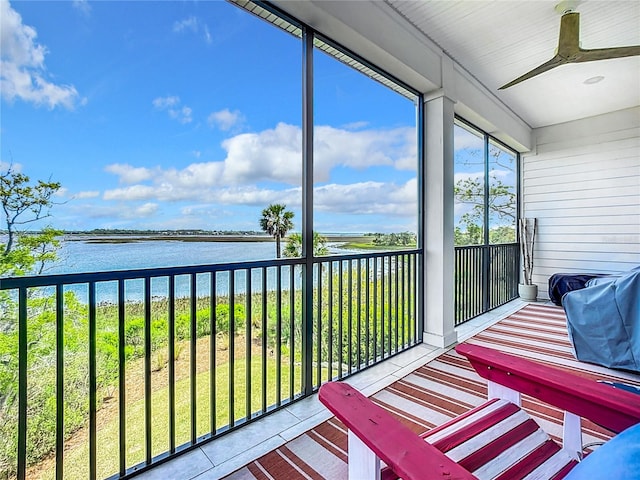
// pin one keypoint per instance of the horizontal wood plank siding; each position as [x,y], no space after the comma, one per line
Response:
[583,184]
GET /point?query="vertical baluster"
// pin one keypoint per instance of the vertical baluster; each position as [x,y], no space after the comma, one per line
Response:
[382,306]
[292,299]
[496,270]
[147,369]
[340,326]
[459,299]
[330,320]
[492,279]
[503,264]
[403,299]
[60,382]
[389,304]
[462,286]
[375,310]
[213,318]
[482,280]
[319,327]
[407,299]
[464,291]
[92,381]
[22,383]
[471,282]
[248,334]
[193,363]
[232,346]
[172,362]
[396,273]
[349,317]
[471,285]
[475,284]
[264,339]
[411,291]
[359,314]
[278,335]
[367,315]
[122,380]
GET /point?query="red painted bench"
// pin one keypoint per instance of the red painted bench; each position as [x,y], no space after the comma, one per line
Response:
[495,440]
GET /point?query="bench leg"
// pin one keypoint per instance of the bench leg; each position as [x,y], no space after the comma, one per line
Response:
[572,435]
[363,463]
[495,390]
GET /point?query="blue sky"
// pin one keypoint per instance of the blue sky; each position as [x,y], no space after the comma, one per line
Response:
[168,115]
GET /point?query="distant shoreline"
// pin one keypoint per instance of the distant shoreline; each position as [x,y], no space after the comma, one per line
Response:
[133,238]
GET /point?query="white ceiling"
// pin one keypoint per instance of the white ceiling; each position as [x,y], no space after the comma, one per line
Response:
[497,41]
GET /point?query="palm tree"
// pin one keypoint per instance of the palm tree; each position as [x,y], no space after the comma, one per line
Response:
[276,221]
[293,248]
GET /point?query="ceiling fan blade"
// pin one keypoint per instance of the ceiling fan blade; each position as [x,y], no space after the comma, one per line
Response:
[569,38]
[546,66]
[607,53]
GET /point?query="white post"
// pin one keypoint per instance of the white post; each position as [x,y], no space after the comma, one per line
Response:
[438,225]
[363,463]
[495,390]
[572,435]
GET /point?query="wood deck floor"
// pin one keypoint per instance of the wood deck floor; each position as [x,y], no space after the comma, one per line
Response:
[435,392]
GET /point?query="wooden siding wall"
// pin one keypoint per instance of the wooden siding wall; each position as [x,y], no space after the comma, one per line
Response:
[583,184]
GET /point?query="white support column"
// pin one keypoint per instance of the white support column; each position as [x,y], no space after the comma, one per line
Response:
[438,225]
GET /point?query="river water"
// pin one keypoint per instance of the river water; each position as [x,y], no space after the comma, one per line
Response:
[86,256]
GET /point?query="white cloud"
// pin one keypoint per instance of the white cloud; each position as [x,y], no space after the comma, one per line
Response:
[135,192]
[378,198]
[61,192]
[172,105]
[274,154]
[87,194]
[16,167]
[257,162]
[363,149]
[194,25]
[183,115]
[479,175]
[165,102]
[129,174]
[270,156]
[355,125]
[110,212]
[464,139]
[462,176]
[22,65]
[146,210]
[225,119]
[190,23]
[82,6]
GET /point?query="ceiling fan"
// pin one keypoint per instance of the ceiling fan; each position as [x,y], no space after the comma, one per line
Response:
[569,50]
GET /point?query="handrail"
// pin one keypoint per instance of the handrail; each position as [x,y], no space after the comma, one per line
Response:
[408,455]
[614,409]
[361,309]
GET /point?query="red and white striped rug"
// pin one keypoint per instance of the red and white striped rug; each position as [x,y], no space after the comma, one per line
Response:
[438,391]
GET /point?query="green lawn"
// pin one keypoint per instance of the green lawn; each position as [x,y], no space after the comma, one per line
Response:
[76,460]
[375,248]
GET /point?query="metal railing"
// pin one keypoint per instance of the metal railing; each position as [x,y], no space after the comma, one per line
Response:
[486,276]
[183,355]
